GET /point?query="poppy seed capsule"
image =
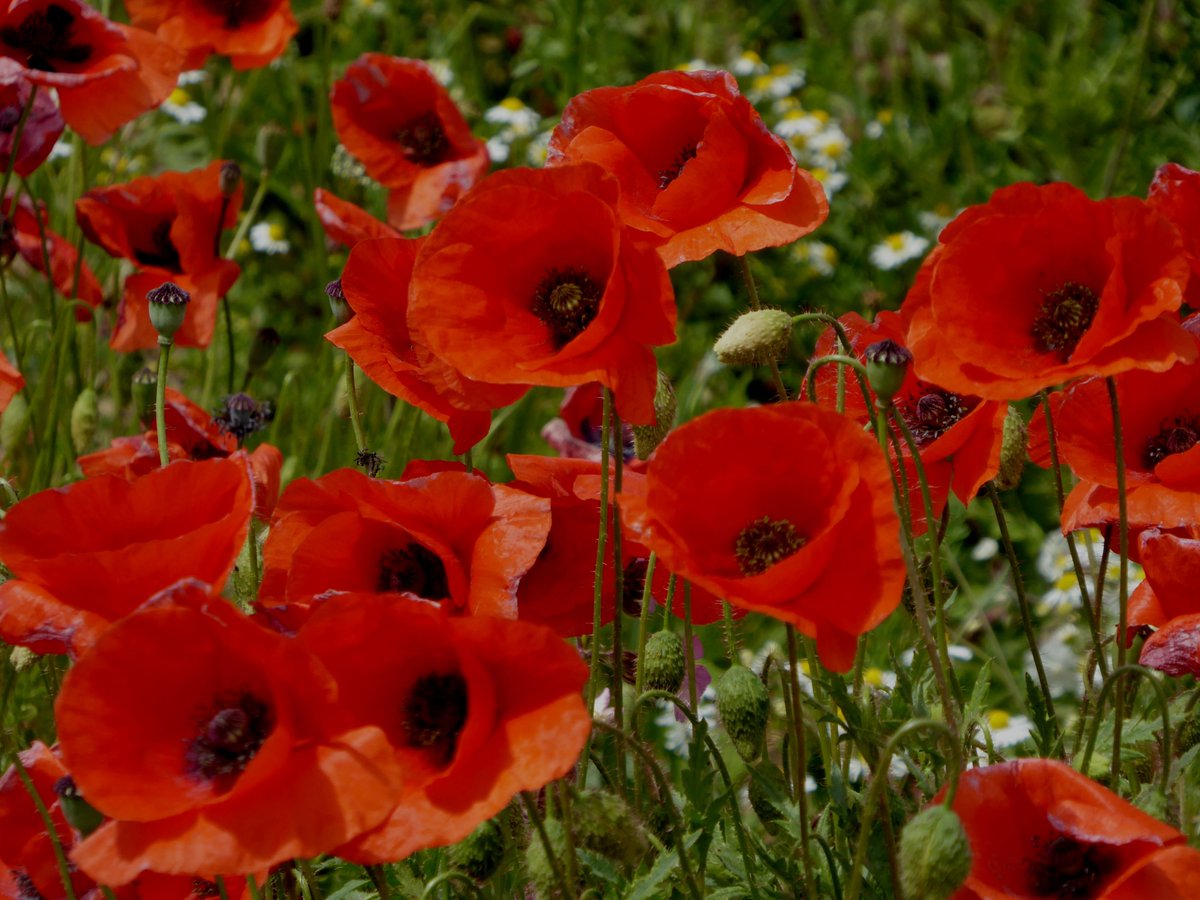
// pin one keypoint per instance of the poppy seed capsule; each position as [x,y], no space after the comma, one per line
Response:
[168,306]
[756,337]
[84,416]
[647,437]
[14,422]
[604,824]
[887,367]
[935,854]
[480,853]
[742,704]
[1012,451]
[230,178]
[664,663]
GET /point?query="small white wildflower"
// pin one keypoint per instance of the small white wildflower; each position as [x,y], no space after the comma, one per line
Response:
[832,181]
[694,65]
[1006,730]
[830,147]
[269,237]
[897,249]
[1060,660]
[498,149]
[934,220]
[780,81]
[441,71]
[874,129]
[986,549]
[879,678]
[955,651]
[195,76]
[678,735]
[515,115]
[747,64]
[818,256]
[538,149]
[602,707]
[799,127]
[182,108]
[62,149]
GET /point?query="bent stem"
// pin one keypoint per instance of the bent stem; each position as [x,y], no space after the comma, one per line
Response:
[1123,595]
[879,778]
[1163,706]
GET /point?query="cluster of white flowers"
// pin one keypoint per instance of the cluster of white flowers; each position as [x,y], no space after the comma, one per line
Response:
[517,122]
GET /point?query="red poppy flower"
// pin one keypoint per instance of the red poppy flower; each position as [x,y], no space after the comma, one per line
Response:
[564,293]
[400,123]
[28,233]
[1174,648]
[558,590]
[1038,829]
[88,554]
[43,126]
[169,225]
[476,709]
[191,434]
[958,435]
[250,32]
[347,224]
[811,540]
[11,382]
[155,886]
[381,340]
[575,433]
[105,74]
[1041,285]
[451,538]
[1175,193]
[699,171]
[1172,565]
[214,745]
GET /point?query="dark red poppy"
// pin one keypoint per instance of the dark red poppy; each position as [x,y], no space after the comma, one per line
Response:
[43,126]
[576,432]
[169,225]
[451,538]
[476,709]
[538,261]
[105,74]
[1172,565]
[29,232]
[1040,829]
[214,745]
[347,224]
[1175,193]
[699,171]
[1041,285]
[400,123]
[11,382]
[810,540]
[251,33]
[958,435]
[381,340]
[86,555]
[155,886]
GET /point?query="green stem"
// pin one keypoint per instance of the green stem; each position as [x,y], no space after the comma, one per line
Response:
[230,348]
[160,399]
[801,768]
[618,652]
[1164,707]
[355,413]
[598,578]
[810,384]
[310,879]
[16,142]
[1123,591]
[446,878]
[555,866]
[730,639]
[689,653]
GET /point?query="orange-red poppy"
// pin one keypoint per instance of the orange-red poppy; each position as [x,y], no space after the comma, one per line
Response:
[86,555]
[1172,565]
[347,224]
[699,171]
[1174,648]
[214,745]
[958,435]
[476,709]
[1041,285]
[381,340]
[400,123]
[576,432]
[1175,193]
[450,538]
[191,434]
[43,126]
[29,229]
[169,225]
[11,382]
[105,73]
[251,33]
[1040,829]
[538,263]
[812,539]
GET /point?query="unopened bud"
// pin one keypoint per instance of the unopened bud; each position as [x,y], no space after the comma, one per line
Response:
[604,824]
[14,423]
[84,416]
[80,814]
[342,313]
[767,786]
[538,865]
[168,307]
[742,704]
[1012,451]
[664,663]
[647,437]
[269,146]
[887,366]
[230,178]
[935,855]
[756,337]
[143,387]
[480,853]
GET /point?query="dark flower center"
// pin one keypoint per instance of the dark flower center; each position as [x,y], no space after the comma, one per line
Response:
[932,414]
[566,301]
[1066,868]
[765,542]
[241,416]
[236,13]
[26,889]
[423,140]
[45,37]
[593,433]
[1176,435]
[435,714]
[633,585]
[1065,315]
[161,251]
[414,569]
[667,176]
[202,887]
[229,738]
[9,117]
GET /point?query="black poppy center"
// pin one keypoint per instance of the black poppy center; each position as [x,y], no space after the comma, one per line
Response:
[159,250]
[932,414]
[1066,868]
[1176,435]
[229,738]
[414,569]
[241,416]
[435,713]
[765,542]
[26,889]
[667,176]
[45,38]
[202,887]
[423,139]
[1065,315]
[566,302]
[235,13]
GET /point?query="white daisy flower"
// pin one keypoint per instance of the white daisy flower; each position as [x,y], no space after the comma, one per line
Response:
[694,65]
[876,126]
[934,220]
[514,114]
[897,249]
[62,149]
[538,148]
[747,64]
[780,81]
[799,127]
[441,71]
[269,237]
[1006,730]
[986,549]
[832,181]
[830,147]
[182,108]
[818,256]
[498,149]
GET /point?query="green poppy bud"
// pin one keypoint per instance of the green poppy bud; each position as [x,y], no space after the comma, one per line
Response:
[742,704]
[269,146]
[664,663]
[142,391]
[767,780]
[756,337]
[481,852]
[1012,451]
[935,855]
[14,424]
[80,814]
[84,416]
[605,825]
[647,437]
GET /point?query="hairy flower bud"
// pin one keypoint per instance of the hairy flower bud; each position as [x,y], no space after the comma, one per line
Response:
[14,422]
[887,367]
[269,146]
[742,704]
[480,853]
[756,337]
[1012,451]
[935,854]
[604,824]
[767,780]
[647,437]
[664,662]
[84,416]
[142,390]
